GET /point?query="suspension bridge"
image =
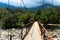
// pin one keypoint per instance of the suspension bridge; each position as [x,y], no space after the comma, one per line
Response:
[37,30]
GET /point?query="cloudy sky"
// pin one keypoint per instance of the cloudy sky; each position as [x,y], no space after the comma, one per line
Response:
[30,3]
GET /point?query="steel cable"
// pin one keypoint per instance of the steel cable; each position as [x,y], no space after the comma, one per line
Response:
[24,5]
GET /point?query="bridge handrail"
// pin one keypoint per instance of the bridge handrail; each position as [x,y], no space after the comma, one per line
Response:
[46,31]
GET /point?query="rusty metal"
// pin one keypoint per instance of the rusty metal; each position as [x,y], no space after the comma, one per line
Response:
[46,31]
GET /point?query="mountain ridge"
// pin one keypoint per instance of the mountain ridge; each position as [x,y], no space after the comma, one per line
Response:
[46,5]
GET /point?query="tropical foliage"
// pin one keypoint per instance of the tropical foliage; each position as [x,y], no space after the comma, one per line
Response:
[19,18]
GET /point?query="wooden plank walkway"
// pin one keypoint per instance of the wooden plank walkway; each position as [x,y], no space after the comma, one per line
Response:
[34,33]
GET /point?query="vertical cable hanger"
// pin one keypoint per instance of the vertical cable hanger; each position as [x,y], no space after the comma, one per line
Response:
[42,4]
[52,5]
[52,2]
[24,5]
[8,29]
[8,3]
[19,3]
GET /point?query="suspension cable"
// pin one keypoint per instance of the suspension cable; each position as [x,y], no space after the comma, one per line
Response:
[8,3]
[52,2]
[42,5]
[46,31]
[52,6]
[24,5]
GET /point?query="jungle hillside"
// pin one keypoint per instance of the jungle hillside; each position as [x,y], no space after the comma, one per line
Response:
[19,18]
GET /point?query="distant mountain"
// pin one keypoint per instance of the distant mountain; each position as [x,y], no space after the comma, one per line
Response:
[3,5]
[42,7]
[47,5]
[34,8]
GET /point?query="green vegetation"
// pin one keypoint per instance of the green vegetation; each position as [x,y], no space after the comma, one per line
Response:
[19,18]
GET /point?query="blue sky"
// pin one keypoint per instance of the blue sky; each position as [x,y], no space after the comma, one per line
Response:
[30,3]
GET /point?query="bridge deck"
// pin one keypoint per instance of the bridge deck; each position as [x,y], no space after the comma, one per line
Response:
[34,33]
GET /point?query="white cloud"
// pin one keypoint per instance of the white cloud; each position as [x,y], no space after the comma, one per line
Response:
[48,1]
[14,2]
[4,1]
[56,2]
[30,3]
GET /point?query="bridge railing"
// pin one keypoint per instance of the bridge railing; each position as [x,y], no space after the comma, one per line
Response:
[43,31]
[46,32]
